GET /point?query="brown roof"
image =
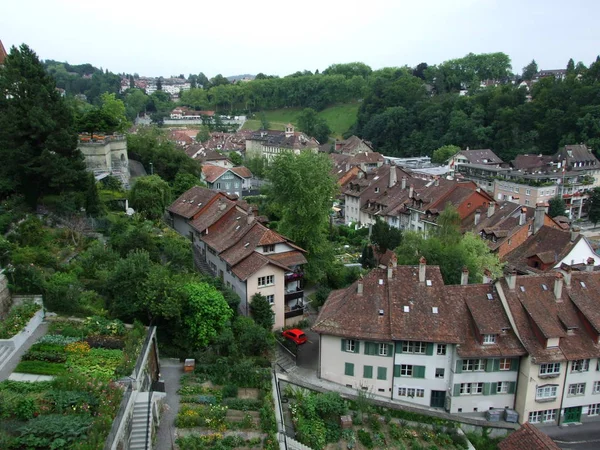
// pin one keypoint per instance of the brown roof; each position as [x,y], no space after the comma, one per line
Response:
[288,259]
[190,202]
[350,145]
[212,173]
[249,265]
[483,156]
[242,171]
[531,163]
[218,207]
[366,158]
[3,54]
[575,155]
[528,437]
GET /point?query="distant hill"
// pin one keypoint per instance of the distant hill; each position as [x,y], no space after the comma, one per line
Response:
[246,76]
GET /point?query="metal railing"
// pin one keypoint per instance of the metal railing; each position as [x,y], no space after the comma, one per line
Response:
[110,440]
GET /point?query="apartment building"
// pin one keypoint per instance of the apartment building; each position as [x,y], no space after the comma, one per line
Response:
[270,143]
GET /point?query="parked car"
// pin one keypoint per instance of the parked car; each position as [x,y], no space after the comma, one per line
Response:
[295,335]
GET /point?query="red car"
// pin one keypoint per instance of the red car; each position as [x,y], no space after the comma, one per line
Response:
[295,335]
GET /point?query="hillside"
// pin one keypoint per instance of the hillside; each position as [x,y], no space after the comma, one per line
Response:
[339,117]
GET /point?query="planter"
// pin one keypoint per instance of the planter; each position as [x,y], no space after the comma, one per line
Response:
[17,341]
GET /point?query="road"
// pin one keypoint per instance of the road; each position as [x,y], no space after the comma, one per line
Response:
[576,437]
[308,354]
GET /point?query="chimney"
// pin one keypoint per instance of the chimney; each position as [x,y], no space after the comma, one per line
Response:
[574,233]
[523,216]
[567,276]
[390,272]
[491,209]
[464,278]
[411,191]
[538,218]
[403,183]
[393,176]
[487,276]
[422,265]
[250,215]
[511,279]
[394,260]
[558,285]
[477,216]
[359,286]
[589,265]
[437,181]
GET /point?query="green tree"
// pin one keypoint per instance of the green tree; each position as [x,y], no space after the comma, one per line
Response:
[530,70]
[557,207]
[114,108]
[261,311]
[236,158]
[384,236]
[184,182]
[150,196]
[448,230]
[367,259]
[444,153]
[594,206]
[313,125]
[264,123]
[38,143]
[203,134]
[570,66]
[302,189]
[205,313]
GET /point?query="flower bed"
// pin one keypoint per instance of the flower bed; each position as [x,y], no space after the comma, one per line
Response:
[17,319]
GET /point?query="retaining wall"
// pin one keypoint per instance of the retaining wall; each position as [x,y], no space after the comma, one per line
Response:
[17,341]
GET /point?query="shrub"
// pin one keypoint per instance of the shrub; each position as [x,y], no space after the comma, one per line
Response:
[41,368]
[365,438]
[97,325]
[230,391]
[33,355]
[57,339]
[109,342]
[54,431]
[243,404]
[52,348]
[18,317]
[24,387]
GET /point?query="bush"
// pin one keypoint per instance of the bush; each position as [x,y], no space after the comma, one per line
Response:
[230,391]
[243,404]
[54,431]
[108,342]
[321,295]
[57,340]
[18,317]
[33,355]
[41,368]
[365,438]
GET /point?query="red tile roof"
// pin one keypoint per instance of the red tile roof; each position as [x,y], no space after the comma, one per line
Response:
[190,202]
[212,173]
[219,206]
[528,437]
[242,171]
[3,53]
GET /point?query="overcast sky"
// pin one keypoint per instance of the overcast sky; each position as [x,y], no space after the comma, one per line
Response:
[280,37]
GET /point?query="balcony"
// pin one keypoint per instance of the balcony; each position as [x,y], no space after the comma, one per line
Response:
[293,295]
[294,313]
[294,276]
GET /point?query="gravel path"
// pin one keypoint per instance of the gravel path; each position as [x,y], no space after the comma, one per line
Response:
[171,371]
[16,357]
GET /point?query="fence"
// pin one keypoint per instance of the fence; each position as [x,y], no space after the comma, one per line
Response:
[119,419]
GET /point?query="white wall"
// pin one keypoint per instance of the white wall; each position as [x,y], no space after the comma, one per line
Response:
[580,254]
[277,289]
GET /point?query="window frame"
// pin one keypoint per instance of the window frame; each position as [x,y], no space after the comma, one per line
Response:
[266,280]
[473,365]
[596,387]
[580,365]
[576,389]
[545,369]
[441,349]
[502,387]
[546,392]
[505,364]
[414,347]
[271,299]
[382,349]
[350,346]
[406,370]
[489,339]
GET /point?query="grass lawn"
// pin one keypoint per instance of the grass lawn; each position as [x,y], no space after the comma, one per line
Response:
[339,117]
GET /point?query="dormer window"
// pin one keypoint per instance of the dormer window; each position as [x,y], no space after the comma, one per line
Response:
[268,248]
[377,190]
[489,339]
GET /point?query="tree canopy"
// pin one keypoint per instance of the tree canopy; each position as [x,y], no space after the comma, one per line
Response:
[150,196]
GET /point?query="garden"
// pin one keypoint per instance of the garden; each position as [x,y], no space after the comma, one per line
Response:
[225,405]
[75,409]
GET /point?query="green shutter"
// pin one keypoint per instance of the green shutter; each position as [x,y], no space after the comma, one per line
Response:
[367,371]
[459,364]
[496,365]
[429,349]
[356,346]
[457,390]
[486,388]
[382,373]
[396,370]
[494,388]
[390,351]
[399,347]
[343,345]
[418,371]
[489,365]
[514,364]
[511,387]
[349,369]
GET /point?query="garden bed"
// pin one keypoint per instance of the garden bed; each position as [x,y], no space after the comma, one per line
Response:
[76,409]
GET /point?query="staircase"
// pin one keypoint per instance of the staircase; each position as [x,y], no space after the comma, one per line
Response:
[201,263]
[6,351]
[137,438]
[285,362]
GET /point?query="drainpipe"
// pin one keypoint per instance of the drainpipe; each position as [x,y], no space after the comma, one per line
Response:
[562,398]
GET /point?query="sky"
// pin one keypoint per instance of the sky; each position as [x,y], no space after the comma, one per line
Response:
[233,37]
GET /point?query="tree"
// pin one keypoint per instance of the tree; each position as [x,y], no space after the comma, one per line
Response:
[384,236]
[183,182]
[530,70]
[570,66]
[150,196]
[444,153]
[236,158]
[264,123]
[367,259]
[205,312]
[114,108]
[302,190]
[448,229]
[594,206]
[159,83]
[261,311]
[557,207]
[203,134]
[313,125]
[38,143]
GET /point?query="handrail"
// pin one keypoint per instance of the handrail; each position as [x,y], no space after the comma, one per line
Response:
[118,418]
[143,351]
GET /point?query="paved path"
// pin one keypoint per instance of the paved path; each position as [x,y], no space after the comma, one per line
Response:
[16,357]
[171,371]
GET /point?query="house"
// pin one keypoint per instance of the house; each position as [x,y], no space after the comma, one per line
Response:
[533,163]
[3,53]
[230,242]
[555,316]
[206,156]
[482,156]
[367,161]
[353,145]
[183,138]
[232,180]
[270,143]
[579,158]
[401,333]
[559,74]
[528,437]
[185,113]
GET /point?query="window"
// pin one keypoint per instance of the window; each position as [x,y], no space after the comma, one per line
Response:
[269,280]
[527,191]
[504,364]
[550,369]
[581,365]
[594,410]
[548,415]
[382,373]
[576,389]
[546,392]
[441,349]
[516,190]
[383,350]
[268,248]
[411,392]
[270,299]
[473,365]
[351,346]
[414,347]
[471,388]
[406,370]
[527,202]
[439,372]
[489,338]
[367,371]
[596,389]
[349,369]
[502,387]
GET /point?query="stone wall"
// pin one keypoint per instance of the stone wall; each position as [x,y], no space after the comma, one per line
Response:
[5,301]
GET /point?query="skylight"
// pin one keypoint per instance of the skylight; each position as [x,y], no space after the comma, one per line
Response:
[434,309]
[490,296]
[522,288]
[544,287]
[406,308]
[428,283]
[380,282]
[583,284]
